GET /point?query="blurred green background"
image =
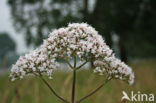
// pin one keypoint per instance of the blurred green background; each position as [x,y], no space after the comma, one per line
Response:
[33,90]
[128,27]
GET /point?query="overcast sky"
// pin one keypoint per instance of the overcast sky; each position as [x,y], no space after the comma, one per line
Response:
[6,25]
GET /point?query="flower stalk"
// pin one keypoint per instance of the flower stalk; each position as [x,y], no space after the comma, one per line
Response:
[74,81]
[93,92]
[53,91]
[73,86]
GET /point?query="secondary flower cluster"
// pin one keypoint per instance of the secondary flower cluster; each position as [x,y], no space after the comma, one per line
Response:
[76,40]
[36,62]
[114,68]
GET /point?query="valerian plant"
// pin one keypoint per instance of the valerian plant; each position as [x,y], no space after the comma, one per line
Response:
[80,43]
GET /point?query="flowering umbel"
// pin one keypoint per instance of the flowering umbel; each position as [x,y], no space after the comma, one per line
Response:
[78,40]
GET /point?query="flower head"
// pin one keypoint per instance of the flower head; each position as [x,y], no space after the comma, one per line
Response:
[76,40]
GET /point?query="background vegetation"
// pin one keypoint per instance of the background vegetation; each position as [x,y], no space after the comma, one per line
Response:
[132,21]
[33,90]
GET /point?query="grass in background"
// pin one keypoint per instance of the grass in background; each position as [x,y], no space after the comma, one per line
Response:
[33,90]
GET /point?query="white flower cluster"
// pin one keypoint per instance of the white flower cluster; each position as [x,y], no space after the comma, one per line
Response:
[36,62]
[76,40]
[114,68]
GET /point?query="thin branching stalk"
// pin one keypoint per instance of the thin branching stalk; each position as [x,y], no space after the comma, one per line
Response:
[52,90]
[82,65]
[93,92]
[69,64]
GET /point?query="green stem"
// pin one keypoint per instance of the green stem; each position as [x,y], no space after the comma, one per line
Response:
[74,81]
[69,64]
[74,62]
[82,65]
[52,90]
[73,86]
[93,92]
